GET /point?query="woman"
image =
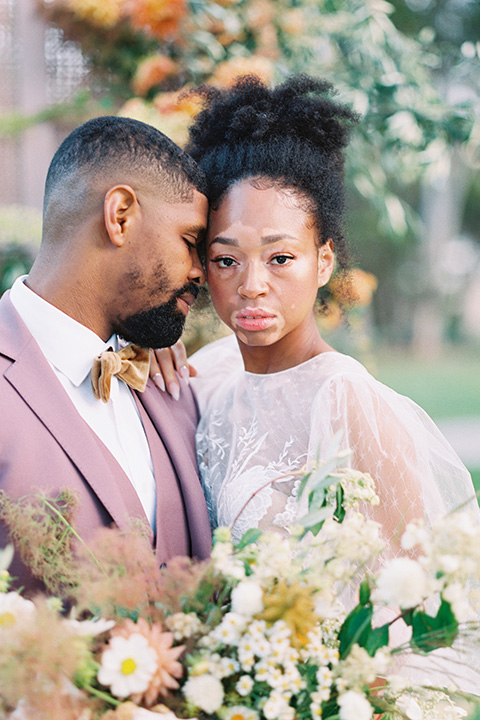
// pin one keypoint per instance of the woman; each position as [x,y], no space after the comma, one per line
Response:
[274,396]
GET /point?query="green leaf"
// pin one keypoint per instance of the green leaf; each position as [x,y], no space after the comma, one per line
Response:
[354,625]
[357,630]
[433,631]
[375,639]
[251,536]
[316,517]
[303,483]
[364,592]
[340,510]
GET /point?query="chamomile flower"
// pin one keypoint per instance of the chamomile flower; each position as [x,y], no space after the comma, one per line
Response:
[127,665]
[14,610]
[244,685]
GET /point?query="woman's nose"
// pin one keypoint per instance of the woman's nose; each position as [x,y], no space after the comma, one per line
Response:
[253,282]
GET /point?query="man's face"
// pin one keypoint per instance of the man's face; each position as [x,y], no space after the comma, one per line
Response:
[163,271]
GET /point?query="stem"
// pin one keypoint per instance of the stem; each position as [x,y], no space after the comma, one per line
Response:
[262,487]
[102,695]
[71,529]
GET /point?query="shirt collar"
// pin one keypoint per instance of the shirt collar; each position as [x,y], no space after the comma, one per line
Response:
[67,344]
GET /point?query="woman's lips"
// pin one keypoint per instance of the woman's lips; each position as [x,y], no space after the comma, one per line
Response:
[254,319]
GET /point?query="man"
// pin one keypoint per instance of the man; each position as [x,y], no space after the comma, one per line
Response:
[124,208]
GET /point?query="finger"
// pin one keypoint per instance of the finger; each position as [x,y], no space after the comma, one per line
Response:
[155,373]
[193,371]
[180,359]
[166,371]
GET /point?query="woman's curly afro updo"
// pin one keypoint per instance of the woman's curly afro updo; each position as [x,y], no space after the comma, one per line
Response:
[291,136]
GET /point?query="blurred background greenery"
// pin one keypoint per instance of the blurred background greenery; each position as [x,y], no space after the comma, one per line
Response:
[410,67]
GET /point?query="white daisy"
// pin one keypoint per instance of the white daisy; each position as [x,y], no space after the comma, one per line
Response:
[128,665]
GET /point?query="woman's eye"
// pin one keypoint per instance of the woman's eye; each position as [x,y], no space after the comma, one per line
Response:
[224,262]
[281,259]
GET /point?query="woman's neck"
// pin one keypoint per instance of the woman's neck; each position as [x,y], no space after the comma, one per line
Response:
[293,349]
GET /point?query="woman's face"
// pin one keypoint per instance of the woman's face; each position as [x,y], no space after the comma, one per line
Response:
[263,264]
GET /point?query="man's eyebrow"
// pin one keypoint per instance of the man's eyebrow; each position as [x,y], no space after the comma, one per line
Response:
[265,240]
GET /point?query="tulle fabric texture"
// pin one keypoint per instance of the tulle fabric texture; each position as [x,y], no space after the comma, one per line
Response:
[259,428]
[255,428]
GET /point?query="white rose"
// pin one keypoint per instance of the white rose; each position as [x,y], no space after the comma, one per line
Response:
[402,582]
[354,706]
[204,692]
[247,598]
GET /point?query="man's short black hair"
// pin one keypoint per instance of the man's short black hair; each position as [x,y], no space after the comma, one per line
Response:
[114,144]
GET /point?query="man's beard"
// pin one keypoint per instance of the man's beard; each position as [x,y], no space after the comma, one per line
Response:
[161,326]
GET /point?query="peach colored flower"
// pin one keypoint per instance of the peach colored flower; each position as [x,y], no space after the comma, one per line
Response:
[332,318]
[177,101]
[152,71]
[293,21]
[103,14]
[355,290]
[169,669]
[227,3]
[260,13]
[161,18]
[226,73]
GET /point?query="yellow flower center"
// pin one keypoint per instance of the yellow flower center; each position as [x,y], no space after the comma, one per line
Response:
[237,716]
[128,666]
[7,619]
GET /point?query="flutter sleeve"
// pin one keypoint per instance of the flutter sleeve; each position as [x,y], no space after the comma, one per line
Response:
[416,471]
[216,362]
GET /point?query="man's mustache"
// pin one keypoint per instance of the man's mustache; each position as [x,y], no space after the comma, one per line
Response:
[190,287]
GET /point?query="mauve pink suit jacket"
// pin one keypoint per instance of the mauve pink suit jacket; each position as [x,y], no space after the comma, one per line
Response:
[46,445]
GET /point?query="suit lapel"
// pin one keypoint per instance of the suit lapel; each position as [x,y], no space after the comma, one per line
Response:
[33,378]
[179,445]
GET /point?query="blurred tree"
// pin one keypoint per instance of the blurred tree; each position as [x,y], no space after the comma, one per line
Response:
[148,50]
[389,61]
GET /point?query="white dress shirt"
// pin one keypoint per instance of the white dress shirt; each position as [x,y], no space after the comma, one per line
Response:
[70,348]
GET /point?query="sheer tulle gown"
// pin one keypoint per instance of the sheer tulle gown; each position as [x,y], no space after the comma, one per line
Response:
[255,428]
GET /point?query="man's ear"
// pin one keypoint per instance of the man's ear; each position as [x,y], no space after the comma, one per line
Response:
[326,263]
[120,208]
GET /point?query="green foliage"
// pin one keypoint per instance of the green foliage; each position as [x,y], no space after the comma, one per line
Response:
[433,631]
[20,233]
[386,75]
[42,533]
[357,630]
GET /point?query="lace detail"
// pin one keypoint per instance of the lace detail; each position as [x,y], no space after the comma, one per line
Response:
[254,428]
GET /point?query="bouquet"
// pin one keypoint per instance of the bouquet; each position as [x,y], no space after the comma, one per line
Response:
[315,624]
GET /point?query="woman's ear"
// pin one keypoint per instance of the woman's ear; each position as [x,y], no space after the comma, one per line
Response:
[120,208]
[326,262]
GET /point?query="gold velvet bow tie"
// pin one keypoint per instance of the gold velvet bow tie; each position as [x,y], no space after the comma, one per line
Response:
[131,364]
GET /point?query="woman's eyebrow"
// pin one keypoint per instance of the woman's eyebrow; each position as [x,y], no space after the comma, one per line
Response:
[222,240]
[265,240]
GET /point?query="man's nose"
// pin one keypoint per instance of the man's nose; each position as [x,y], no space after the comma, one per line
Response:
[197,273]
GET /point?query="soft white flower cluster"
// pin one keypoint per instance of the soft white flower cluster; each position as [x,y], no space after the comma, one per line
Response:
[184,625]
[262,654]
[359,669]
[357,487]
[447,562]
[335,556]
